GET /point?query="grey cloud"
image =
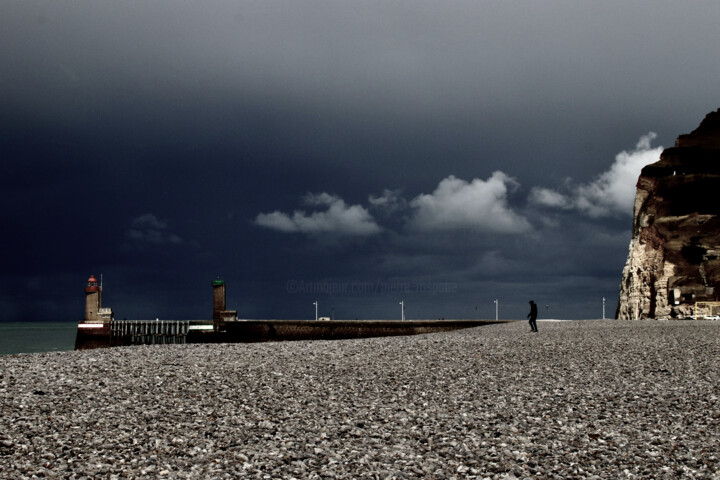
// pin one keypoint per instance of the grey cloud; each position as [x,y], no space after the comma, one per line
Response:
[148,229]
[390,203]
[373,55]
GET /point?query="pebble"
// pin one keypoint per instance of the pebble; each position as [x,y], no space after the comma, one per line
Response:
[585,400]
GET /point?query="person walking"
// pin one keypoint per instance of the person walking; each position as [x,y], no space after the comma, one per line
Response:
[533,316]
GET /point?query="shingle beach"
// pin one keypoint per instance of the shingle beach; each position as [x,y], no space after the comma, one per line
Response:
[591,399]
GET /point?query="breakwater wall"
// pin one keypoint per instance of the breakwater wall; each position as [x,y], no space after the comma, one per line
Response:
[149,332]
[288,330]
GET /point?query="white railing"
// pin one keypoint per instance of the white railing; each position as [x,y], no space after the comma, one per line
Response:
[149,332]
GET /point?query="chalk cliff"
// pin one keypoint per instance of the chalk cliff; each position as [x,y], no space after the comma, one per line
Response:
[674,258]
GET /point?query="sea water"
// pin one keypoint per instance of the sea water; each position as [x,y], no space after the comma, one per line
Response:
[33,337]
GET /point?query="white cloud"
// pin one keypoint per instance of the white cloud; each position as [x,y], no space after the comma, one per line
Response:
[338,218]
[612,192]
[548,198]
[148,228]
[479,205]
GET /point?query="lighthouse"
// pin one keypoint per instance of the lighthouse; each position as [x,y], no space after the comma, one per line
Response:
[218,298]
[220,314]
[93,300]
[94,311]
[94,329]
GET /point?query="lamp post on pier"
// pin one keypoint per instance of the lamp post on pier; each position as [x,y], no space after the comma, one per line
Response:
[316,309]
[402,310]
[497,304]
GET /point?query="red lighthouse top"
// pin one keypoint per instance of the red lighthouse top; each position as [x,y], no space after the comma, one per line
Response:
[92,284]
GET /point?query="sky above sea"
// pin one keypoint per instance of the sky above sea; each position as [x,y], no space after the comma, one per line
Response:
[358,154]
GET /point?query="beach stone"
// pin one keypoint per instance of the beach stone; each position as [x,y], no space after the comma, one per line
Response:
[591,399]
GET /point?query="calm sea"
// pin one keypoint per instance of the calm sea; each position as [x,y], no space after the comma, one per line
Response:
[30,337]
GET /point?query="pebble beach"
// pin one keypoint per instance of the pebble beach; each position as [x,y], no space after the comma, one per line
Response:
[584,399]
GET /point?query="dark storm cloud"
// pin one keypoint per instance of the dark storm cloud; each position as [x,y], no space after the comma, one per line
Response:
[371,59]
[148,228]
[475,144]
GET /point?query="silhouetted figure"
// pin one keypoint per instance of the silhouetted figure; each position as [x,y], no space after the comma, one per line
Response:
[533,316]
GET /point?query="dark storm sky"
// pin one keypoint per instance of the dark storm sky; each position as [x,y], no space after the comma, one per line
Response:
[355,153]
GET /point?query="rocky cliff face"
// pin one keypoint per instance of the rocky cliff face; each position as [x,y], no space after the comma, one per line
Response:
[674,258]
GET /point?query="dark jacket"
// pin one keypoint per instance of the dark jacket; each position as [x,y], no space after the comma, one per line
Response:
[533,311]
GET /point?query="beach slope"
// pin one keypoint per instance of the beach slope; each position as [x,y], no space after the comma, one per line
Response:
[591,399]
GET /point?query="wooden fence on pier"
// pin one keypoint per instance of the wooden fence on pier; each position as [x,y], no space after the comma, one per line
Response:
[148,332]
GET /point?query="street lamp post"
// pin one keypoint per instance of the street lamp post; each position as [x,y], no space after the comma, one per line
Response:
[497,304]
[603,308]
[402,310]
[316,309]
